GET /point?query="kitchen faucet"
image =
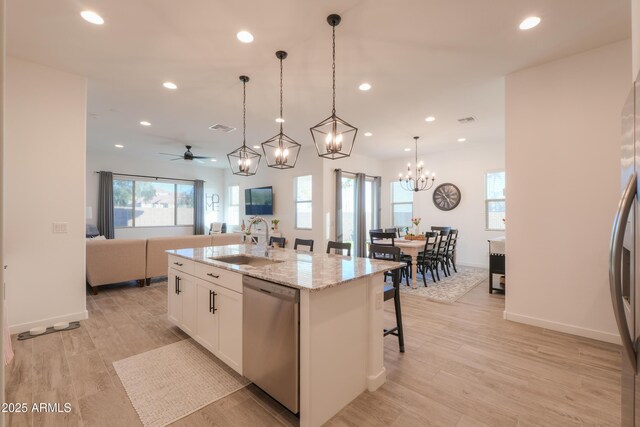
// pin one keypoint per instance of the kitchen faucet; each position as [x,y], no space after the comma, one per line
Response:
[256,219]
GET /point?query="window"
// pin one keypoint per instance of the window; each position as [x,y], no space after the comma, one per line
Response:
[401,205]
[233,212]
[495,203]
[140,203]
[303,188]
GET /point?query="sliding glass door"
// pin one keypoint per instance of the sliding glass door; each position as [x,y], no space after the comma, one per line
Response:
[349,209]
[352,232]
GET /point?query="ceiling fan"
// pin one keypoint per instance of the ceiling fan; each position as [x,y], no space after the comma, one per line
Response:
[188,155]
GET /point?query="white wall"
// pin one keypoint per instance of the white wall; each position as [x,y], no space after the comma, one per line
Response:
[120,161]
[283,194]
[562,158]
[465,167]
[44,178]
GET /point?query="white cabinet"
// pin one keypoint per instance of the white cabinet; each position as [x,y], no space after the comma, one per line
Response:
[209,308]
[182,300]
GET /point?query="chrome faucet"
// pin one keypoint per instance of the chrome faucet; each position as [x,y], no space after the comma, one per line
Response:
[255,220]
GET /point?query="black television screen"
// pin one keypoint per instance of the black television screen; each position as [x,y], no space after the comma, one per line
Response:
[258,201]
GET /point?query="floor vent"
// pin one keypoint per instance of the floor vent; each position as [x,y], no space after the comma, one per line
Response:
[222,128]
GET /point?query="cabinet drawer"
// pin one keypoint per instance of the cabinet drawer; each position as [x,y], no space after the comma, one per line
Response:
[181,264]
[219,276]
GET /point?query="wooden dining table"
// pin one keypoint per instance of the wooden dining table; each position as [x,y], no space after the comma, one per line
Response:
[412,248]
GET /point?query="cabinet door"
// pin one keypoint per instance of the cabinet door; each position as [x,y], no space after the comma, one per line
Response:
[207,319]
[187,288]
[174,304]
[229,310]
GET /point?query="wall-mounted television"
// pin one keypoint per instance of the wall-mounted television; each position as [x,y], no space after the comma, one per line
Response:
[258,201]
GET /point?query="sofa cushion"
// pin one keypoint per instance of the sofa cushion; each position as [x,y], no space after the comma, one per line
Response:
[115,260]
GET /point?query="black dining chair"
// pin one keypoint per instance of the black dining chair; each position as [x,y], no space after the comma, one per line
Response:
[303,242]
[389,239]
[280,241]
[436,228]
[391,253]
[439,257]
[392,230]
[450,257]
[426,258]
[339,246]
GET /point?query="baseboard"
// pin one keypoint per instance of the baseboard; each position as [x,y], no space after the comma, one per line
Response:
[72,317]
[563,327]
[375,381]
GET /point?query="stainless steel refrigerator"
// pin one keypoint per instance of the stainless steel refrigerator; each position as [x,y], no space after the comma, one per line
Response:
[624,257]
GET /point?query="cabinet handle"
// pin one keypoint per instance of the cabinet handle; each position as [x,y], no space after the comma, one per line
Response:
[179,264]
[175,284]
[178,279]
[213,302]
[215,276]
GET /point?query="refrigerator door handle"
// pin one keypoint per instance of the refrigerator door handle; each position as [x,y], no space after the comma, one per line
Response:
[615,264]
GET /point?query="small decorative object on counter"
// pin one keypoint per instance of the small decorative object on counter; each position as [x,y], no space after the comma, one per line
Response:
[243,226]
[275,223]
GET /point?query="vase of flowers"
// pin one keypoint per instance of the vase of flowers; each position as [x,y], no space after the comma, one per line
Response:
[275,223]
[416,225]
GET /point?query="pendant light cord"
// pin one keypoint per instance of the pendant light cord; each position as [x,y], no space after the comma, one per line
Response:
[281,116]
[244,114]
[333,66]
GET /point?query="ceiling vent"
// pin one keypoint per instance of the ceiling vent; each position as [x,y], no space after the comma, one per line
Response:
[222,128]
[466,120]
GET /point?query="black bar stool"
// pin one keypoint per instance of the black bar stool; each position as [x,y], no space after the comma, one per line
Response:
[339,246]
[280,241]
[303,242]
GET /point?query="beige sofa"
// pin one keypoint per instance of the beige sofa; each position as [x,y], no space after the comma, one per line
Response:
[113,261]
[121,260]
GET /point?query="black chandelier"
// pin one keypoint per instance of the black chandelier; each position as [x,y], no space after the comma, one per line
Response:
[280,151]
[333,137]
[420,181]
[244,161]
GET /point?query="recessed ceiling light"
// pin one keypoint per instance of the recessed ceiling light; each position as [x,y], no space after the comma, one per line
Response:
[119,146]
[257,147]
[214,160]
[530,22]
[92,17]
[170,85]
[364,86]
[407,149]
[145,123]
[245,36]
[368,134]
[462,139]
[279,120]
[429,119]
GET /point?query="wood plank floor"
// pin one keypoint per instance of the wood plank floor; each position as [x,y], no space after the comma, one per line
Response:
[463,366]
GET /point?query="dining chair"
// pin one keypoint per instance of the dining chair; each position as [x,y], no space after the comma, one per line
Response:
[391,253]
[339,246]
[438,258]
[392,230]
[426,257]
[389,239]
[450,257]
[280,241]
[303,242]
[437,228]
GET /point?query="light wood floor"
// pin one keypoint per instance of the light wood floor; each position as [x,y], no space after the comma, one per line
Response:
[463,366]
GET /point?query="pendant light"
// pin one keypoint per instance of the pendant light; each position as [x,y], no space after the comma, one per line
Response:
[421,180]
[280,151]
[333,137]
[244,161]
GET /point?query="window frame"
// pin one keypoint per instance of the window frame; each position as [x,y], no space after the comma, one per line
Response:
[393,204]
[296,202]
[487,201]
[231,204]
[133,181]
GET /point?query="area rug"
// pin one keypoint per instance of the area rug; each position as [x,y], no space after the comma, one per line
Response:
[173,381]
[449,289]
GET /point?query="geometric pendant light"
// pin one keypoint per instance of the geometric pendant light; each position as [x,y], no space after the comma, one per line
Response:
[334,137]
[280,151]
[244,161]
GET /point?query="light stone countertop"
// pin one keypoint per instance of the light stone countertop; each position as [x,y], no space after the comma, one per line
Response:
[299,269]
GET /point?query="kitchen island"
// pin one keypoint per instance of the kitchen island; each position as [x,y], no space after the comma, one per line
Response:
[340,315]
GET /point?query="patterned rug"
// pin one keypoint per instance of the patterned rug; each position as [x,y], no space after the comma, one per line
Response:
[449,289]
[173,381]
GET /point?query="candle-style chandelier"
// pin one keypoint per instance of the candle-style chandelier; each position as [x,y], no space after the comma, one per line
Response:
[244,161]
[280,151]
[420,181]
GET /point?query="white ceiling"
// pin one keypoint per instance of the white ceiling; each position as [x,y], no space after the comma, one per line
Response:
[445,58]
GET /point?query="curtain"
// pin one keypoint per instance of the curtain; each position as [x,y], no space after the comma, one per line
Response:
[377,204]
[198,207]
[105,205]
[361,216]
[338,206]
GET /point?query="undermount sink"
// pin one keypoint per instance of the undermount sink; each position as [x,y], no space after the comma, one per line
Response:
[245,260]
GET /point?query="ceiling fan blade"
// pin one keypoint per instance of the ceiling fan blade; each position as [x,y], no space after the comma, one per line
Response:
[169,154]
[202,157]
[173,160]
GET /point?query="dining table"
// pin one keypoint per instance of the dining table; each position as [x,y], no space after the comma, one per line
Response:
[411,248]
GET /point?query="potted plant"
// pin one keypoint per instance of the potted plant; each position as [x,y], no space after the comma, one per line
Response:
[275,223]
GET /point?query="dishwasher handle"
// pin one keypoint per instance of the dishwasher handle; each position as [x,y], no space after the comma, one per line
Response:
[272,289]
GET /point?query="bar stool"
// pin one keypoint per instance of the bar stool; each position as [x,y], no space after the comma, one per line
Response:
[339,246]
[303,242]
[280,241]
[391,253]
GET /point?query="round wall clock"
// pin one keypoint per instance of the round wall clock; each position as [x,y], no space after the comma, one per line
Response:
[446,197]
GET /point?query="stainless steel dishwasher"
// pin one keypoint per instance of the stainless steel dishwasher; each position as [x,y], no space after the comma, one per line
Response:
[270,339]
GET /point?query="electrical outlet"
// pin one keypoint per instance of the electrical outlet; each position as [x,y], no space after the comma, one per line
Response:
[379,300]
[60,227]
